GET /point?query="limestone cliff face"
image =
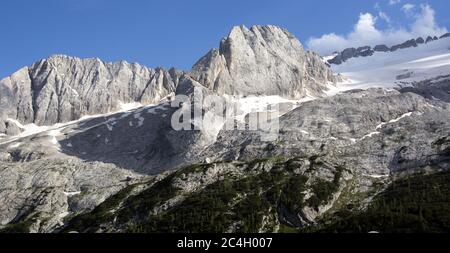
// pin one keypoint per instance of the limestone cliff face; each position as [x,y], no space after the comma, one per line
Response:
[62,88]
[263,60]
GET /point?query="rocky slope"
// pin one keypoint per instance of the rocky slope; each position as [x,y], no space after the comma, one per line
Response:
[265,60]
[61,89]
[272,195]
[130,171]
[338,159]
[351,146]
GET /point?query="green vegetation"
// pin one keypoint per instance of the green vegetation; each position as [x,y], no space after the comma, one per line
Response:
[211,209]
[192,169]
[419,203]
[323,190]
[123,207]
[241,204]
[23,223]
[251,212]
[20,227]
[245,205]
[138,208]
[284,229]
[291,195]
[202,212]
[90,222]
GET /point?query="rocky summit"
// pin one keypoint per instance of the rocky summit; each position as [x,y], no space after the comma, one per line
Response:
[263,60]
[89,146]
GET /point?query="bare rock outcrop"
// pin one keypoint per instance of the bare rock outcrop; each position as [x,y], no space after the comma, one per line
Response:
[262,60]
[61,89]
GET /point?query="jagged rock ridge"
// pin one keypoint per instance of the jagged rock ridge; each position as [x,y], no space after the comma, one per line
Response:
[61,89]
[262,60]
[366,51]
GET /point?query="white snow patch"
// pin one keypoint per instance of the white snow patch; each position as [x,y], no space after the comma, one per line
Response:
[401,117]
[15,145]
[329,57]
[53,134]
[435,98]
[429,105]
[370,135]
[383,69]
[75,93]
[140,118]
[395,120]
[213,124]
[141,121]
[124,115]
[251,104]
[353,140]
[153,108]
[33,129]
[63,215]
[128,106]
[70,194]
[377,175]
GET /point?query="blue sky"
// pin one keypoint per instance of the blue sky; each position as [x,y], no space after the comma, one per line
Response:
[178,32]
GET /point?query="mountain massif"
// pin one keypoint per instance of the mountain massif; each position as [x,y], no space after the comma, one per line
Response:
[261,61]
[351,149]
[62,89]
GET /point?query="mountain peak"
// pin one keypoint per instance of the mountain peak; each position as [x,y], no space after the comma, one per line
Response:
[262,60]
[237,30]
[269,32]
[61,57]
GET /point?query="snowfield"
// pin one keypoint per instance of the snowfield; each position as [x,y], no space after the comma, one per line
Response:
[395,69]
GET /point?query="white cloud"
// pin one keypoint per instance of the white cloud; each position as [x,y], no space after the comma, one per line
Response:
[393,2]
[425,23]
[384,17]
[365,32]
[377,6]
[408,8]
